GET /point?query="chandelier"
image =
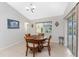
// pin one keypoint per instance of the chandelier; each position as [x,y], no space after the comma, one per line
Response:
[31,8]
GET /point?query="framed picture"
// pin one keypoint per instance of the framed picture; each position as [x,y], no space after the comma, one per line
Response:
[12,24]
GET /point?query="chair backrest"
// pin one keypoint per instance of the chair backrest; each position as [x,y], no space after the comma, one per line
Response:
[28,34]
[49,40]
[41,34]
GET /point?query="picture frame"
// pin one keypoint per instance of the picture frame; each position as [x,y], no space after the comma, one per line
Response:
[12,24]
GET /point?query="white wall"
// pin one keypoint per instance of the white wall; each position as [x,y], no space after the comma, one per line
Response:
[56,31]
[10,36]
[65,31]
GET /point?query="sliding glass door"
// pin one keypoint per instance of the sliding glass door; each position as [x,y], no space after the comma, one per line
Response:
[72,34]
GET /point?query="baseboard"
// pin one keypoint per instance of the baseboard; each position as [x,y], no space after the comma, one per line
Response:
[54,41]
[10,45]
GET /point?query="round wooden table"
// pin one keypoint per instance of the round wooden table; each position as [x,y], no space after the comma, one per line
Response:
[40,40]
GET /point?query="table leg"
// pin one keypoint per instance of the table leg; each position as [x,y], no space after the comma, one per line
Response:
[40,47]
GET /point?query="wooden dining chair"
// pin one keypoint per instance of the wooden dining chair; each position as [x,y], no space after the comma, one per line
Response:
[47,44]
[31,44]
[40,34]
[28,34]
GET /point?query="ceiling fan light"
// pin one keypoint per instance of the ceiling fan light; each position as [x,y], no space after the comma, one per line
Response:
[34,7]
[27,8]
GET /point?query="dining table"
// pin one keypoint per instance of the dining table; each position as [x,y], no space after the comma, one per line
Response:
[39,39]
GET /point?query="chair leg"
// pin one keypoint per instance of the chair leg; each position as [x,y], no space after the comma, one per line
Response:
[49,50]
[27,51]
[33,52]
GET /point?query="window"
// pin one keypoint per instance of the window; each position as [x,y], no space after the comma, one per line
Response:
[44,27]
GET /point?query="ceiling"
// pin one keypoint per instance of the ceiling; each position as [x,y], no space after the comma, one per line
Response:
[42,10]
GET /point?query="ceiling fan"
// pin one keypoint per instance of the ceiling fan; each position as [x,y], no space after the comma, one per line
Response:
[31,8]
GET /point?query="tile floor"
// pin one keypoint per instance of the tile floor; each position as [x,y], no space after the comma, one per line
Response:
[18,50]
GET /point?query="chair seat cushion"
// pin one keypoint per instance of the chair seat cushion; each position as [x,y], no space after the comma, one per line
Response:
[45,43]
[31,45]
